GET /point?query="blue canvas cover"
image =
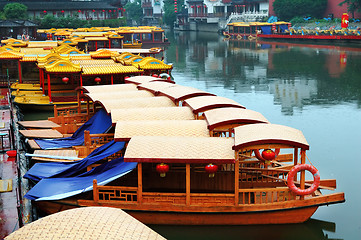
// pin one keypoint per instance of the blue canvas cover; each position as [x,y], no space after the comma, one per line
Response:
[99,123]
[266,29]
[68,169]
[60,188]
[283,28]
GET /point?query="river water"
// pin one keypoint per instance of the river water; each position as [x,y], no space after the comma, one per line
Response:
[316,89]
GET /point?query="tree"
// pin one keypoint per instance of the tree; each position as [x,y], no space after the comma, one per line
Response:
[134,11]
[15,11]
[352,5]
[288,9]
[169,15]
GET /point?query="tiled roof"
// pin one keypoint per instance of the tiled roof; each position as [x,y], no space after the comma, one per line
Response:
[53,6]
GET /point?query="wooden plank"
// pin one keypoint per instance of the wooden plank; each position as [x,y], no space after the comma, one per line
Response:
[59,155]
[38,124]
[41,133]
[33,144]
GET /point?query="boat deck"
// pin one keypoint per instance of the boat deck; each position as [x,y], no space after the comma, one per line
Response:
[38,124]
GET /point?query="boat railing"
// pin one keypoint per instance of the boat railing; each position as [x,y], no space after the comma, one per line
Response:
[130,195]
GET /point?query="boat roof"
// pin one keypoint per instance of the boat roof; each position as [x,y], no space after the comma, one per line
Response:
[229,115]
[86,223]
[204,103]
[175,149]
[266,134]
[110,69]
[155,87]
[125,130]
[109,88]
[149,102]
[118,95]
[179,93]
[157,113]
[144,79]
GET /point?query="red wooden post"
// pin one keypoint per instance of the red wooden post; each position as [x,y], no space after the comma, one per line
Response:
[19,71]
[49,88]
[111,79]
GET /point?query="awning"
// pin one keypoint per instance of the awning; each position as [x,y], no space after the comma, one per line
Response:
[204,103]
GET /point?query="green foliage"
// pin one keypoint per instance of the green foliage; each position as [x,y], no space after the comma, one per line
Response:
[169,15]
[288,9]
[15,11]
[49,21]
[353,5]
[134,11]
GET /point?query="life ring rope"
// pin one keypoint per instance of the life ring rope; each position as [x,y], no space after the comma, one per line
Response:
[302,167]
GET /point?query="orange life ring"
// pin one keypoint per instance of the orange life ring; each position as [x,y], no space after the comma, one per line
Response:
[301,167]
[259,156]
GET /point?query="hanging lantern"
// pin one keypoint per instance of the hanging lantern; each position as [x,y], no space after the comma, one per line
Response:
[97,80]
[110,10]
[268,154]
[119,9]
[162,169]
[205,6]
[192,6]
[93,10]
[79,11]
[211,169]
[65,80]
[198,6]
[44,11]
[62,11]
[175,2]
[103,10]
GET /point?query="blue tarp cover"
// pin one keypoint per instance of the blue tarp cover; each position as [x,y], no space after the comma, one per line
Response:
[266,29]
[283,28]
[68,169]
[99,123]
[60,188]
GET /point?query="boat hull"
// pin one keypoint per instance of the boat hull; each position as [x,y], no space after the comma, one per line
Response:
[311,37]
[280,213]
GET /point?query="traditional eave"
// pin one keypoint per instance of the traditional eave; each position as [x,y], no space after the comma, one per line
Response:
[9,48]
[150,63]
[132,60]
[69,42]
[63,67]
[104,53]
[11,55]
[14,42]
[72,51]
[50,58]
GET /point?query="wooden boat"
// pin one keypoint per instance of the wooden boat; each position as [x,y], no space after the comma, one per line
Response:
[283,31]
[184,176]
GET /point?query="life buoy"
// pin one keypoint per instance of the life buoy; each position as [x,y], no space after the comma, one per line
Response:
[301,167]
[259,156]
[153,49]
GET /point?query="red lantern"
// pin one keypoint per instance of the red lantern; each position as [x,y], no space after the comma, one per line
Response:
[79,11]
[44,11]
[97,80]
[211,169]
[62,11]
[110,10]
[119,9]
[192,6]
[103,10]
[205,6]
[65,80]
[198,6]
[268,154]
[93,10]
[175,2]
[162,169]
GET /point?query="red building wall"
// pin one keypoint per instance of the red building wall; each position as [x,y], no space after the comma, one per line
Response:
[332,7]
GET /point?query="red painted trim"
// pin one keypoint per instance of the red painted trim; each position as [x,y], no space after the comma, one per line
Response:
[233,121]
[185,96]
[271,141]
[178,160]
[202,109]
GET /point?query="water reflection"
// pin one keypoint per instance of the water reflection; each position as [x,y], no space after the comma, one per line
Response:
[295,74]
[310,230]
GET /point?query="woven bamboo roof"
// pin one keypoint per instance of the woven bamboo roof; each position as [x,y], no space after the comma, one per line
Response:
[35,51]
[111,69]
[145,79]
[204,103]
[263,134]
[119,95]
[158,113]
[125,130]
[229,115]
[179,93]
[92,62]
[177,149]
[152,102]
[109,88]
[155,87]
[91,223]
[42,44]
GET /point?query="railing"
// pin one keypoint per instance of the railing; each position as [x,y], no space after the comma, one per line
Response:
[259,175]
[114,194]
[146,4]
[265,195]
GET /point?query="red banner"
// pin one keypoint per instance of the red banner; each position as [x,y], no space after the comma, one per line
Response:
[344,20]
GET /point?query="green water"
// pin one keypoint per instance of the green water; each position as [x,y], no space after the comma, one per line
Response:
[314,89]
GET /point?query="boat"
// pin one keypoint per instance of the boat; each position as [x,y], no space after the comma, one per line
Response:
[227,165]
[283,31]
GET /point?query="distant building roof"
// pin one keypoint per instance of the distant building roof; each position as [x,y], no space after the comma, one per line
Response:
[17,23]
[51,6]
